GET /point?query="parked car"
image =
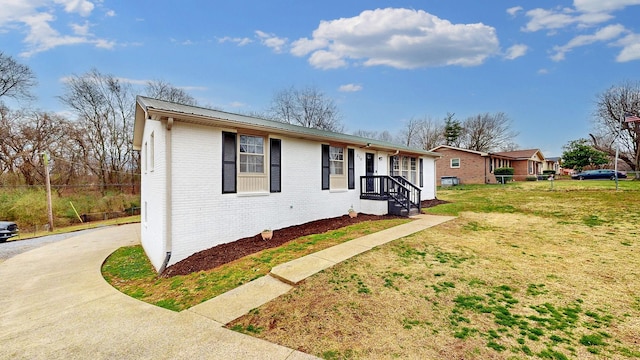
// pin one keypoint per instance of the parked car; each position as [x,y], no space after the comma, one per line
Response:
[8,229]
[598,174]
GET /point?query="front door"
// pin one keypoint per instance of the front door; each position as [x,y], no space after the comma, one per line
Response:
[369,170]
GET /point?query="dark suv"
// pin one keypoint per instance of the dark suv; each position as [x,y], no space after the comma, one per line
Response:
[8,230]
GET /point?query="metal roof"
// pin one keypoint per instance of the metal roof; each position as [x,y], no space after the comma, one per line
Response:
[146,106]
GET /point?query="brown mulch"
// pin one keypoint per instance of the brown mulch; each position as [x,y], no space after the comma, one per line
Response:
[225,253]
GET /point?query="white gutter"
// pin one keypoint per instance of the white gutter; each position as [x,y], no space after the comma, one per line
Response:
[168,245]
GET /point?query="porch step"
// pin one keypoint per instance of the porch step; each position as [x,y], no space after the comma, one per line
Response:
[397,209]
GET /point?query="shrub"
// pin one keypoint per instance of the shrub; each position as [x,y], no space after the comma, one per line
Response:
[548,172]
[503,174]
[532,178]
[504,171]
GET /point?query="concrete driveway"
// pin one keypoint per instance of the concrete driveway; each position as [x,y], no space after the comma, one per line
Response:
[54,304]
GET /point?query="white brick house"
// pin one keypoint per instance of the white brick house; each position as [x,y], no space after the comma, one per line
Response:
[211,177]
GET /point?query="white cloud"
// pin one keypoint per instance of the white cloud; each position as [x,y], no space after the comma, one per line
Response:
[82,7]
[584,13]
[38,18]
[238,41]
[516,51]
[603,5]
[82,30]
[399,38]
[350,88]
[271,41]
[630,48]
[110,13]
[323,59]
[605,34]
[543,71]
[514,10]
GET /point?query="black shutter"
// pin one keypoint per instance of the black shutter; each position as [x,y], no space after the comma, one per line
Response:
[275,176]
[228,162]
[351,169]
[421,172]
[325,167]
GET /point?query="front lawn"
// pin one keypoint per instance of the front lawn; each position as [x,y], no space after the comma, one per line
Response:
[523,272]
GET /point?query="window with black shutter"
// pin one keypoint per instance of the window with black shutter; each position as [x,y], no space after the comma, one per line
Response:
[325,167]
[228,162]
[351,180]
[275,175]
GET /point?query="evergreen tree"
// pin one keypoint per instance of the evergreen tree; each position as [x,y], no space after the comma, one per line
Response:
[452,130]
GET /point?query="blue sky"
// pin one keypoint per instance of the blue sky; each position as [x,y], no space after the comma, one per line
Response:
[542,63]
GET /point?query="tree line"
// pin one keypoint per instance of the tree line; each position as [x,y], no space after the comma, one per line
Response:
[310,107]
[93,148]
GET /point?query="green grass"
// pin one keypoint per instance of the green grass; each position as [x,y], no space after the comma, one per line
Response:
[525,271]
[129,270]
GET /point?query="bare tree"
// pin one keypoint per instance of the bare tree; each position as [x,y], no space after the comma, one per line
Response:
[16,80]
[611,131]
[409,133]
[27,134]
[307,107]
[104,107]
[424,133]
[430,133]
[374,135]
[487,132]
[162,90]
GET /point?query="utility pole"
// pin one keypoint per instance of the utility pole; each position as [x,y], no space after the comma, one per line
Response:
[48,184]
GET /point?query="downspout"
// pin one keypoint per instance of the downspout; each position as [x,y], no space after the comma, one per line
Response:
[168,195]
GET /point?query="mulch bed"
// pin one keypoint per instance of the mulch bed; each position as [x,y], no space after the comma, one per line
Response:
[225,253]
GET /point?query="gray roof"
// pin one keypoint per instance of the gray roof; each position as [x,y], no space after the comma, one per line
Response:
[206,115]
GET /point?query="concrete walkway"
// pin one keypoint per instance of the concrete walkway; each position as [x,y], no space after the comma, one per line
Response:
[55,304]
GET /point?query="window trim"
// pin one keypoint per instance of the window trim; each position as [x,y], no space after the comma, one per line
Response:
[454,166]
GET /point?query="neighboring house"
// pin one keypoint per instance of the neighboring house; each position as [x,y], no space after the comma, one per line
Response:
[211,177]
[476,167]
[524,162]
[552,164]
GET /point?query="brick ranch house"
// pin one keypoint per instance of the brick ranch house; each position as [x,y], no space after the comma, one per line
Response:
[476,167]
[211,177]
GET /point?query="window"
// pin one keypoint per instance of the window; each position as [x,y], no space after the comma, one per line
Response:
[395,166]
[146,157]
[336,160]
[151,152]
[413,174]
[405,167]
[455,163]
[251,154]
